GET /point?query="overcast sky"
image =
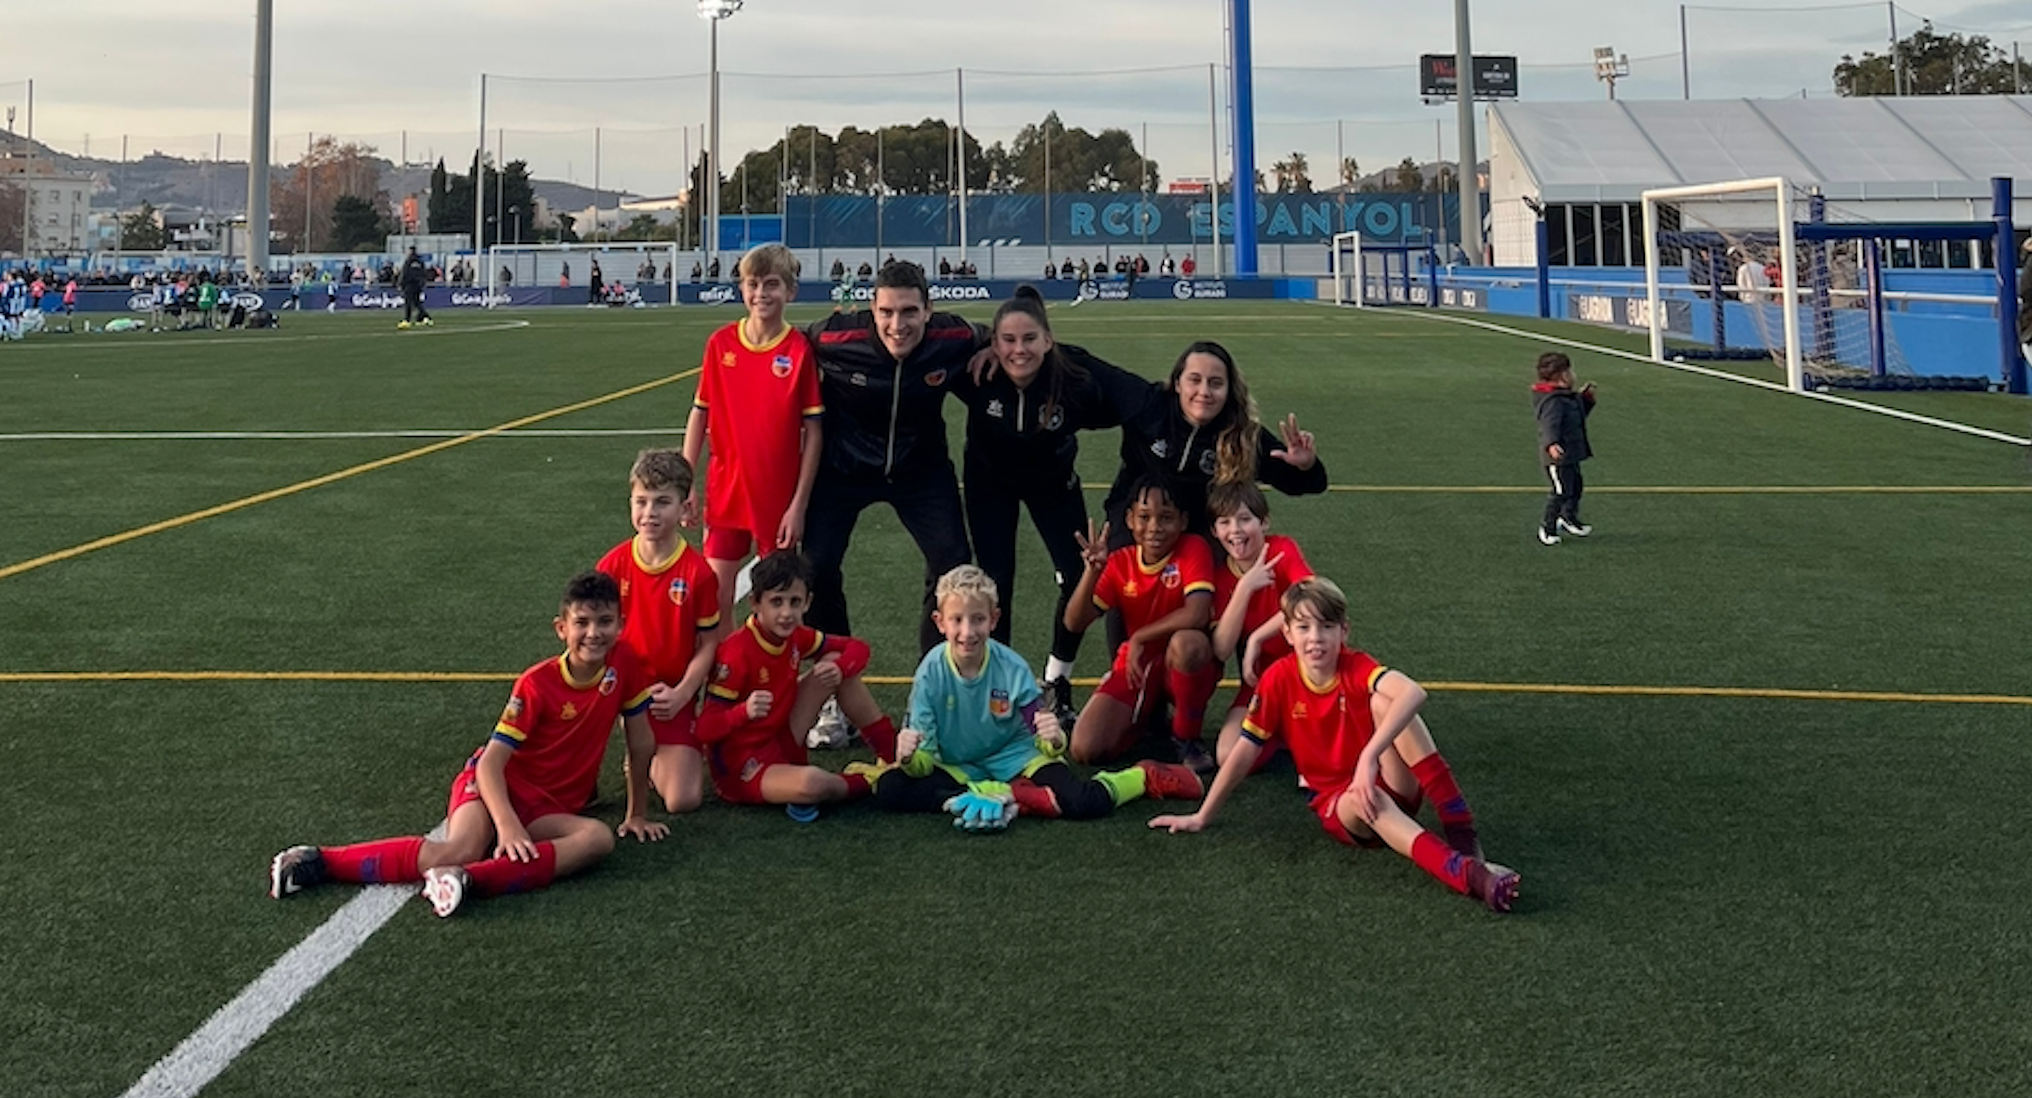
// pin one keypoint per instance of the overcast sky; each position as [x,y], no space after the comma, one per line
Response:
[1332,75]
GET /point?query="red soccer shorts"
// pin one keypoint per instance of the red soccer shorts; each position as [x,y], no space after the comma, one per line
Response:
[1156,689]
[678,731]
[1325,802]
[529,804]
[737,779]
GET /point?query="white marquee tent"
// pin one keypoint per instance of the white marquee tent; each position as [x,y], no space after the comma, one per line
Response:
[1877,159]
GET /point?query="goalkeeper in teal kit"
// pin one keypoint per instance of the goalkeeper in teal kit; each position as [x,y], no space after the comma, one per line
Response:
[978,743]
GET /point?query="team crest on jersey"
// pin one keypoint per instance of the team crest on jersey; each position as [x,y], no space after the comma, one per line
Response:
[678,590]
[1169,577]
[858,379]
[1206,463]
[750,769]
[608,682]
[780,365]
[998,704]
[513,712]
[721,671]
[727,359]
[570,712]
[935,378]
[1055,420]
[1298,711]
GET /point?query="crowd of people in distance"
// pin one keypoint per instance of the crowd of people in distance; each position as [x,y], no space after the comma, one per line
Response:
[792,435]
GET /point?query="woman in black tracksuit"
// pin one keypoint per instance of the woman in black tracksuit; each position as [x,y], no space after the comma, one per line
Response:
[1022,451]
[1196,428]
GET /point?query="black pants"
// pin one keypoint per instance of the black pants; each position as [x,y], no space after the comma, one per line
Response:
[412,304]
[928,503]
[1564,500]
[1059,512]
[1078,798]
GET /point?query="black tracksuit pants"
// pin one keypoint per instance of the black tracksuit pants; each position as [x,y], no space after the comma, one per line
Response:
[994,503]
[927,503]
[1564,500]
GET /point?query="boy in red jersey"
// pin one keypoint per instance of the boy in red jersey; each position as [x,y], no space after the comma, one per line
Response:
[1344,717]
[757,708]
[758,403]
[513,823]
[1164,585]
[1260,567]
[670,614]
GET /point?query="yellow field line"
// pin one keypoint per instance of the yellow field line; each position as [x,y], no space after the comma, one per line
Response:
[1756,692]
[329,478]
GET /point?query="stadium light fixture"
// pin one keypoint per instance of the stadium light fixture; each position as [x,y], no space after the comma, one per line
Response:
[713,11]
[1611,67]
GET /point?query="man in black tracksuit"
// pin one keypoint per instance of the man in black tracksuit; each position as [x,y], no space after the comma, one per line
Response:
[884,374]
[1562,444]
[414,277]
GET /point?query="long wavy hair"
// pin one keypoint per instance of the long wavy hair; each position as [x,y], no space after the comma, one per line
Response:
[1237,424]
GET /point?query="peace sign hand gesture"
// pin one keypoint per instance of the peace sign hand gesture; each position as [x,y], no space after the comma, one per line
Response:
[1297,452]
[1093,546]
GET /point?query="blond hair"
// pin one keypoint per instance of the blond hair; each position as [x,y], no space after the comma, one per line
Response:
[967,581]
[769,259]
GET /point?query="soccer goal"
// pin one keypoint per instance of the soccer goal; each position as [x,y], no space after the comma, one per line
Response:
[644,270]
[1735,242]
[1367,273]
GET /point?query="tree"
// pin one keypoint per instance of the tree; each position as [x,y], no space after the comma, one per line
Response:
[301,201]
[11,214]
[1935,64]
[440,201]
[1350,171]
[1406,177]
[1294,174]
[141,231]
[1079,161]
[358,224]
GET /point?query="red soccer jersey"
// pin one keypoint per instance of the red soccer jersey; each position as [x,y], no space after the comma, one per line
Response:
[756,400]
[663,610]
[1264,602]
[559,727]
[746,662]
[1146,593]
[1325,726]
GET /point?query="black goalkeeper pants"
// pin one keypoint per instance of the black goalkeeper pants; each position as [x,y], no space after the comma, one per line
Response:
[1078,798]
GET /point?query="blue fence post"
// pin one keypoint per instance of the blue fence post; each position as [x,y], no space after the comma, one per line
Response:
[2011,358]
[1544,238]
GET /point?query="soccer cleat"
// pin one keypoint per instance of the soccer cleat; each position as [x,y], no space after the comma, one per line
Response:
[1035,800]
[402,325]
[1547,537]
[831,729]
[1463,839]
[1193,754]
[445,887]
[1495,885]
[428,322]
[1170,781]
[1058,698]
[1578,530]
[294,870]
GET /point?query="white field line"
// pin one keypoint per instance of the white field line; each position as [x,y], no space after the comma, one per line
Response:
[1894,413]
[216,436]
[216,343]
[234,1027]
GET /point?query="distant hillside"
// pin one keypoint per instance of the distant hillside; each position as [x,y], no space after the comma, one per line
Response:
[222,186]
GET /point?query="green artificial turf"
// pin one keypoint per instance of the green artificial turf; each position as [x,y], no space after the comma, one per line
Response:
[1723,895]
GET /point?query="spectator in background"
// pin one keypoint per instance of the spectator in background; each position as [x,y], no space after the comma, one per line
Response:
[596,284]
[945,269]
[1166,265]
[713,269]
[839,270]
[2025,299]
[1187,266]
[1751,279]
[866,271]
[564,276]
[698,273]
[1085,272]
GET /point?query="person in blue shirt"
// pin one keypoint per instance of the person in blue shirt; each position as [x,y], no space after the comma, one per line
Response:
[977,726]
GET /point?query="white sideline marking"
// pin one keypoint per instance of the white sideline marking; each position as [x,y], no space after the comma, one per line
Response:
[144,338]
[1894,413]
[213,436]
[199,1059]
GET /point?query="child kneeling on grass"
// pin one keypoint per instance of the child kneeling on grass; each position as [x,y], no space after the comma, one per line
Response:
[1344,716]
[757,709]
[977,723]
[513,823]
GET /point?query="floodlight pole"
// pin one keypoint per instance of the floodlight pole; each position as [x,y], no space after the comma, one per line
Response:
[1464,90]
[1685,64]
[712,11]
[1897,58]
[1242,105]
[480,184]
[257,152]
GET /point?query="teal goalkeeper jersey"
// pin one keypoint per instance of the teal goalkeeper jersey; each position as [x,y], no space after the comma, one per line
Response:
[975,725]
